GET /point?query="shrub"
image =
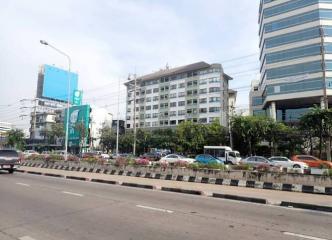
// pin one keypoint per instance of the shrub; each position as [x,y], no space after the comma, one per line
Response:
[161,164]
[55,157]
[181,164]
[121,162]
[263,168]
[35,157]
[194,166]
[73,158]
[244,167]
[142,162]
[215,166]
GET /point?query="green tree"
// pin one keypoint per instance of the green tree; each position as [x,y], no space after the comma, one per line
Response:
[107,138]
[216,134]
[191,137]
[16,139]
[248,131]
[57,132]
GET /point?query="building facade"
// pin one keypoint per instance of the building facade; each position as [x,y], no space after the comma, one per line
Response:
[296,58]
[4,129]
[197,92]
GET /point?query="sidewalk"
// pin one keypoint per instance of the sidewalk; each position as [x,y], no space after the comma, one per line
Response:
[272,196]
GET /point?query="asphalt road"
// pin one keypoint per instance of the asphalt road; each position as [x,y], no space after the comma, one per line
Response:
[45,208]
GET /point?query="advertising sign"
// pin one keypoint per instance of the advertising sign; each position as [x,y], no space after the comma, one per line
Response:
[77,97]
[79,120]
[55,83]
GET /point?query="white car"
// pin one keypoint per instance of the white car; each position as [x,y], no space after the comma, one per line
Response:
[29,153]
[287,163]
[173,158]
[105,156]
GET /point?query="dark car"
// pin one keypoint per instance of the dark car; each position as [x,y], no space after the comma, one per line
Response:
[9,160]
[152,156]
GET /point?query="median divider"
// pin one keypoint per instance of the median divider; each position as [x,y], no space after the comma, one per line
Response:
[180,190]
[33,172]
[240,198]
[306,206]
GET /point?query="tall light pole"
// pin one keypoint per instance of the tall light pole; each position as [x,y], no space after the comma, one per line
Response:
[135,88]
[68,97]
[117,121]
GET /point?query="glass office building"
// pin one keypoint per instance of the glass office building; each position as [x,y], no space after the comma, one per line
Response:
[294,34]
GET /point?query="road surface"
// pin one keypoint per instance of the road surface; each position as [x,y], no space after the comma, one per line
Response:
[44,208]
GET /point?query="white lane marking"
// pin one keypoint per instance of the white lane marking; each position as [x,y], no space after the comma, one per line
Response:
[303,236]
[155,209]
[73,194]
[23,184]
[26,238]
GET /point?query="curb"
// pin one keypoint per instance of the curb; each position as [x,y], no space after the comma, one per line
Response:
[53,175]
[77,178]
[180,190]
[240,198]
[104,181]
[138,185]
[306,206]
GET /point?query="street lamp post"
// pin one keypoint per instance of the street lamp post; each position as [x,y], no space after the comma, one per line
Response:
[68,97]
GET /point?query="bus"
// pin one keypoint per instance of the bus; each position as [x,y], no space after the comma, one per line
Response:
[224,153]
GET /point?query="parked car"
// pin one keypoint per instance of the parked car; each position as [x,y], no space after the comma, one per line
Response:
[287,163]
[9,160]
[173,158]
[256,161]
[28,153]
[105,156]
[152,156]
[311,161]
[207,159]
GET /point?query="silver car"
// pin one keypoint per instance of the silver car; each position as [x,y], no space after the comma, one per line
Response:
[256,161]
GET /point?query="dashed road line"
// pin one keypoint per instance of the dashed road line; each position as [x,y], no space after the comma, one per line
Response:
[26,238]
[155,209]
[73,194]
[303,236]
[23,184]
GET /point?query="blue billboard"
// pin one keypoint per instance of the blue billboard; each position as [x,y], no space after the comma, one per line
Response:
[55,84]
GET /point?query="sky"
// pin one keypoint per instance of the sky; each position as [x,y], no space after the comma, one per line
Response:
[110,39]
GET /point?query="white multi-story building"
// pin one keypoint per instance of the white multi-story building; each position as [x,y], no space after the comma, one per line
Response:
[197,92]
[294,34]
[99,117]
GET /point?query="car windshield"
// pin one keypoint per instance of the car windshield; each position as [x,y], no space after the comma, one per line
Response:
[8,153]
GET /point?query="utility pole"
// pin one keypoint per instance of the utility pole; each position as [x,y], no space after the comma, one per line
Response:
[326,100]
[117,121]
[135,86]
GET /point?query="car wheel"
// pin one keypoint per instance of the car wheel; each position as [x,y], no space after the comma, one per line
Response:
[11,171]
[296,166]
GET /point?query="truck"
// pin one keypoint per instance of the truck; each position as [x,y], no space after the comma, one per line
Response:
[224,153]
[9,160]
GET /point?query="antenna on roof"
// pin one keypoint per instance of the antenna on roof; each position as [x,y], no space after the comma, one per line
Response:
[167,66]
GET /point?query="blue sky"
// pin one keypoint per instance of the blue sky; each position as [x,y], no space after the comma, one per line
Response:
[107,39]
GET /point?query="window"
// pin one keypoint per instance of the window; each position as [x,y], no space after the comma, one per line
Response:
[172,95]
[148,115]
[191,101]
[214,119]
[149,91]
[214,80]
[137,109]
[173,122]
[202,81]
[203,91]
[182,94]
[148,124]
[148,99]
[214,109]
[181,103]
[202,110]
[214,89]
[148,108]
[155,106]
[142,108]
[155,90]
[156,98]
[155,115]
[182,85]
[286,7]
[154,124]
[203,100]
[173,104]
[173,86]
[181,112]
[214,99]
[129,110]
[203,120]
[172,113]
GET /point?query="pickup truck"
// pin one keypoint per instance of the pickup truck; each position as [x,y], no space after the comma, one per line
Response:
[9,160]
